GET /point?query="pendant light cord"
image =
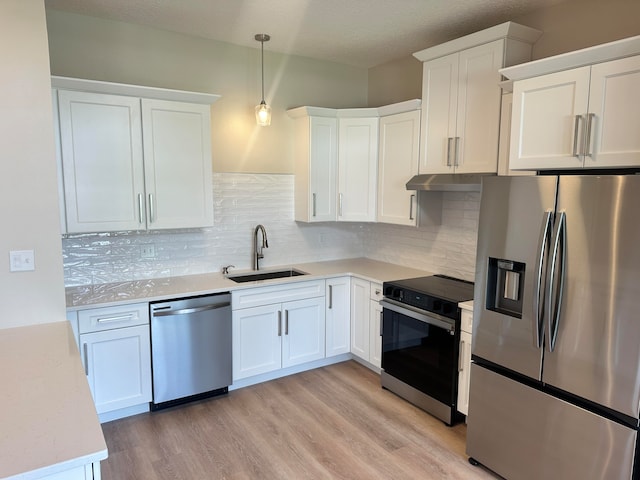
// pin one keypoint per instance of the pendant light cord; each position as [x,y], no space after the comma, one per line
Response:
[262,58]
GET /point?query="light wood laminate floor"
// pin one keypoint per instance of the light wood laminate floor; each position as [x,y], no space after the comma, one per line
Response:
[332,422]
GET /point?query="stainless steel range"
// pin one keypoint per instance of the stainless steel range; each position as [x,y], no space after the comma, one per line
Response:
[420,339]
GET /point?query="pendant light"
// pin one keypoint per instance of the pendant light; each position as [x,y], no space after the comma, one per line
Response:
[263,111]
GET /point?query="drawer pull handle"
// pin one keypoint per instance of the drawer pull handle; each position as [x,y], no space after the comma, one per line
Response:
[119,318]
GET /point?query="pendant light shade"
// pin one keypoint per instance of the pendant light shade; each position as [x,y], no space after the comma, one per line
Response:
[263,111]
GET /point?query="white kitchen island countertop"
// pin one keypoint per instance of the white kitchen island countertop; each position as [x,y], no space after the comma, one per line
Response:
[48,422]
[108,294]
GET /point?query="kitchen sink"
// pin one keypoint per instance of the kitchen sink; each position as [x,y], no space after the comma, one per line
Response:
[266,275]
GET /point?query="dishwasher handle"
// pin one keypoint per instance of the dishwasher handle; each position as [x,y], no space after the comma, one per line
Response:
[186,311]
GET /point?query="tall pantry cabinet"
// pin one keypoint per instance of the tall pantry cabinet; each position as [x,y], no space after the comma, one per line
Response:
[461,98]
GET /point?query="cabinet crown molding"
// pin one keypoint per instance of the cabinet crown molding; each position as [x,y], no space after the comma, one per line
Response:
[580,58]
[510,30]
[97,86]
[382,111]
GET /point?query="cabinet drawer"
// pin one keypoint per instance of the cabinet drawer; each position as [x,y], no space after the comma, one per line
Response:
[376,291]
[108,318]
[254,297]
[466,322]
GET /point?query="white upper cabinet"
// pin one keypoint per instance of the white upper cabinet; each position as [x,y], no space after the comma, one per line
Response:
[315,163]
[613,121]
[461,111]
[357,168]
[547,114]
[131,163]
[101,143]
[577,109]
[398,156]
[335,164]
[461,98]
[177,164]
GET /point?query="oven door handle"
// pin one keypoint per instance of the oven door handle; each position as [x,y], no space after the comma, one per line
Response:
[420,315]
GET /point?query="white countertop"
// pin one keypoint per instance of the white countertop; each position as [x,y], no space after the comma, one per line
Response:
[468,305]
[48,421]
[171,287]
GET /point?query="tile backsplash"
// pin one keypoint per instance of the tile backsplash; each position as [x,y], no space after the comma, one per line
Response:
[241,201]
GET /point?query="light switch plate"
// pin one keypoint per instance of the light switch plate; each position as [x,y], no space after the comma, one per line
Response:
[21,261]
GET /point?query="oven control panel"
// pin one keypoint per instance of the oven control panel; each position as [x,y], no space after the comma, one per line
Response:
[422,301]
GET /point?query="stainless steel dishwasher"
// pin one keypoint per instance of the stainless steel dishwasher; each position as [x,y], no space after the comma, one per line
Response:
[190,349]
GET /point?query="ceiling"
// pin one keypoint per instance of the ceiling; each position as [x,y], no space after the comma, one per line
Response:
[362,33]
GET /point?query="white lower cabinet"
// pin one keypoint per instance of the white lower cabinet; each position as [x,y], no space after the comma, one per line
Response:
[464,361]
[365,321]
[360,318]
[375,314]
[338,316]
[90,471]
[267,337]
[116,353]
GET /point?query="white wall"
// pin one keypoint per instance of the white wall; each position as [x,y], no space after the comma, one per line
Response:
[28,188]
[568,26]
[87,47]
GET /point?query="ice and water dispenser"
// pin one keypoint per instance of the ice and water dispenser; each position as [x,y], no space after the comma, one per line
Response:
[505,286]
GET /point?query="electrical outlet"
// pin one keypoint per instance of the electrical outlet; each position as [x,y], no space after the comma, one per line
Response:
[148,251]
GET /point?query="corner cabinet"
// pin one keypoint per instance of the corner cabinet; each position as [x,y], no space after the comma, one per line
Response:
[398,157]
[461,98]
[586,117]
[357,165]
[335,164]
[131,162]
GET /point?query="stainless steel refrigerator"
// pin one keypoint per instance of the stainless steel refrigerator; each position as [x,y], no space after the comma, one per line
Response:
[555,385]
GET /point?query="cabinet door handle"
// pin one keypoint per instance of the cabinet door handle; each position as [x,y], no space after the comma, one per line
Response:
[286,322]
[457,148]
[340,203]
[279,323]
[330,296]
[140,208]
[449,151]
[576,129]
[86,359]
[411,198]
[461,357]
[152,213]
[314,204]
[587,143]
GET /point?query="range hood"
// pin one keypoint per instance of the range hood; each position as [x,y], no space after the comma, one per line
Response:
[447,182]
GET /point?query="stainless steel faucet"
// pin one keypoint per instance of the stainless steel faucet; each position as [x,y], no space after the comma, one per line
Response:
[257,249]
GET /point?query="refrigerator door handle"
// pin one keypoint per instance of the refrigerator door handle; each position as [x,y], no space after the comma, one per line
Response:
[555,291]
[545,233]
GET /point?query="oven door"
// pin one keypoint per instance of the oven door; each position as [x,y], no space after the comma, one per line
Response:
[420,349]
